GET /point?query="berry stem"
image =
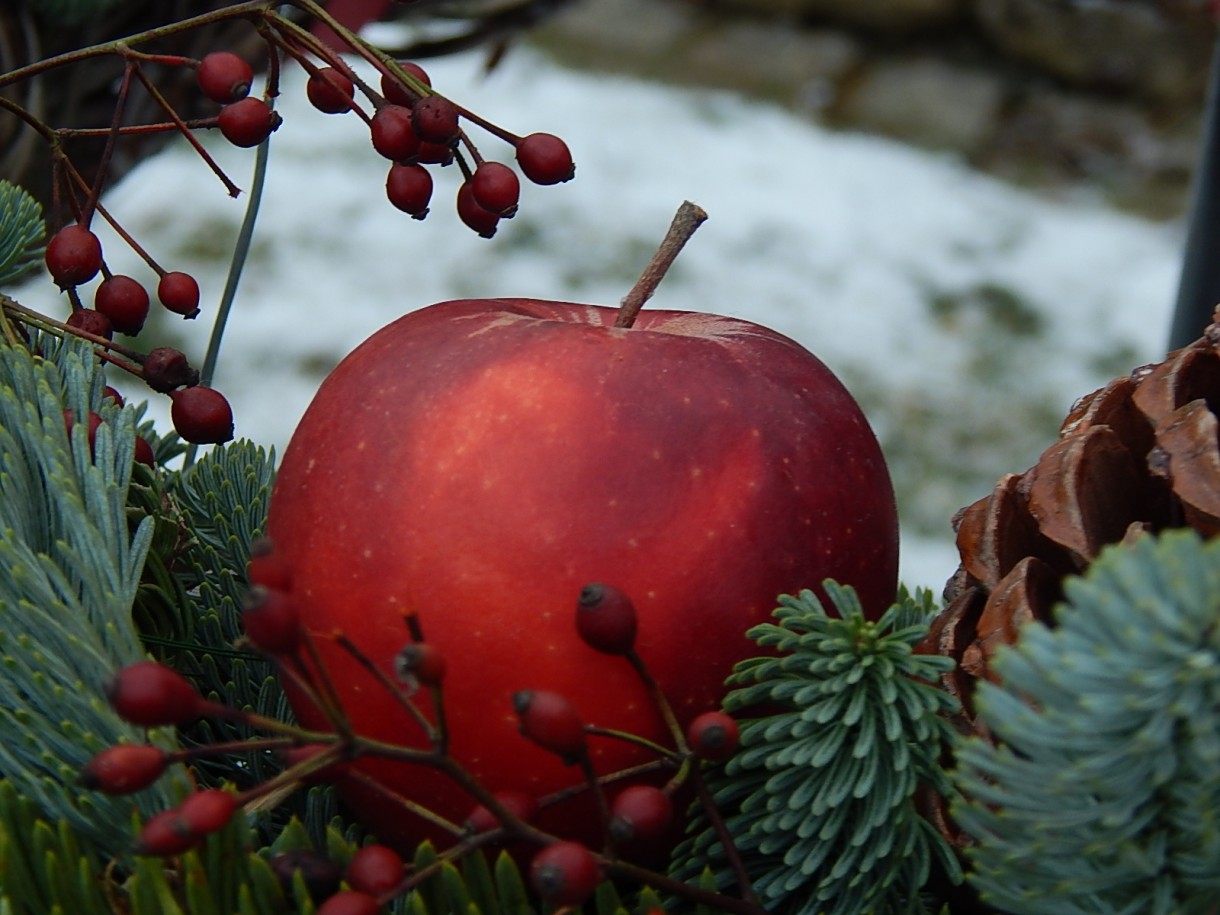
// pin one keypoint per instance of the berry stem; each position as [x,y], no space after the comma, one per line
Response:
[688,218]
[662,703]
[723,835]
[394,689]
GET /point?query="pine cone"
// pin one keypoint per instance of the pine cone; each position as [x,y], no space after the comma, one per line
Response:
[1140,454]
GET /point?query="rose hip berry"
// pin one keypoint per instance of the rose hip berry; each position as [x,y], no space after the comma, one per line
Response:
[640,813]
[164,835]
[91,322]
[434,154]
[321,875]
[392,133]
[714,736]
[545,159]
[435,120]
[549,720]
[124,301]
[124,769]
[350,902]
[420,664]
[496,188]
[267,567]
[398,94]
[144,452]
[375,869]
[521,805]
[606,619]
[201,415]
[271,620]
[224,77]
[152,695]
[330,91]
[179,292]
[73,255]
[166,368]
[247,122]
[483,221]
[564,873]
[206,812]
[409,187]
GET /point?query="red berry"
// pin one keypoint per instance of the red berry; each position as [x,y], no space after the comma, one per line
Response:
[392,133]
[144,452]
[271,620]
[95,421]
[248,122]
[150,694]
[91,322]
[434,154]
[564,873]
[201,415]
[124,768]
[179,293]
[435,120]
[330,91]
[549,720]
[349,902]
[606,619]
[398,94]
[409,187]
[521,805]
[545,159]
[420,664]
[496,188]
[112,394]
[124,301]
[164,835]
[375,869]
[714,736]
[224,77]
[483,221]
[320,874]
[640,813]
[74,255]
[205,812]
[267,567]
[166,368]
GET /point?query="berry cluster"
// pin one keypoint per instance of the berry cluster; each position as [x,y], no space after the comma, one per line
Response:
[409,123]
[636,815]
[413,127]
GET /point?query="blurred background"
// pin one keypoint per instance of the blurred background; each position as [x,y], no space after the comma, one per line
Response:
[972,210]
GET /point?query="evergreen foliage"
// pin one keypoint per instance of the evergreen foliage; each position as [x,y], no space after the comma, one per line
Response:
[1103,793]
[22,232]
[821,796]
[72,551]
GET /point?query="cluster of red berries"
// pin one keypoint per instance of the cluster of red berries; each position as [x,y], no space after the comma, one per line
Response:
[562,872]
[409,124]
[413,127]
[121,303]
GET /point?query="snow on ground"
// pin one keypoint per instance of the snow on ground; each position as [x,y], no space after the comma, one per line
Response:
[965,314]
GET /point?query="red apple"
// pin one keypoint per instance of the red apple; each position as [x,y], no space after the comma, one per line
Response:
[479,461]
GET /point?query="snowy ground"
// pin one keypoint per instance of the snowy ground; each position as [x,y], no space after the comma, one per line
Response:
[966,315]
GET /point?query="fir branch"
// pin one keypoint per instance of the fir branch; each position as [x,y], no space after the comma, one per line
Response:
[22,233]
[821,797]
[1103,794]
[71,560]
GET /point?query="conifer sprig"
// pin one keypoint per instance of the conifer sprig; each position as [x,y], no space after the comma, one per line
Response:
[821,797]
[22,232]
[71,558]
[1103,794]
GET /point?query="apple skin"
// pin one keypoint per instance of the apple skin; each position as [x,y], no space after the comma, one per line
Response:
[477,462]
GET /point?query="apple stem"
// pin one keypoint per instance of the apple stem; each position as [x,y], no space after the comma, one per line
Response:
[688,218]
